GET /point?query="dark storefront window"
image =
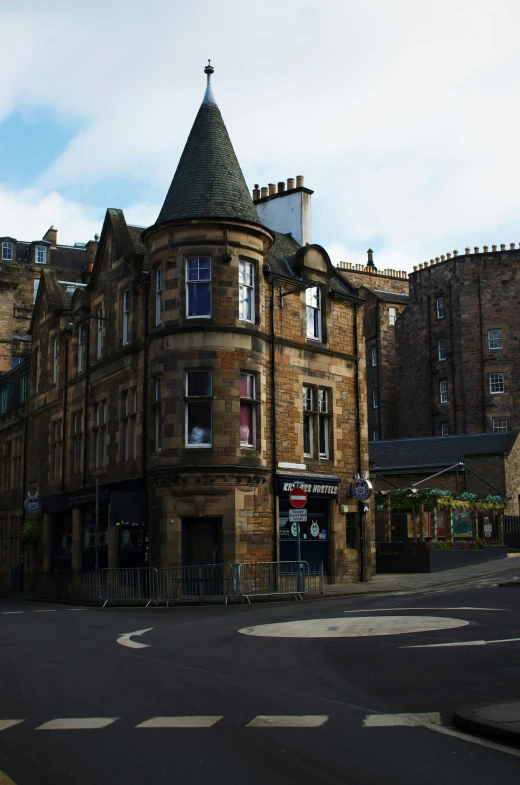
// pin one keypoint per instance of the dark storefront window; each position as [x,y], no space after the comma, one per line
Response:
[89,538]
[314,533]
[61,542]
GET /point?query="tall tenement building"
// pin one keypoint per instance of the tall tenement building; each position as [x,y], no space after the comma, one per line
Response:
[213,362]
[457,346]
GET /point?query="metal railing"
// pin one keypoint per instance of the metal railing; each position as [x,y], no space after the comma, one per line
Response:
[66,586]
[315,577]
[128,585]
[263,579]
[199,582]
[511,524]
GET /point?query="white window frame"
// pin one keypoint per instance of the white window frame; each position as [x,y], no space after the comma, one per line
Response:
[392,315]
[99,336]
[40,254]
[495,342]
[313,313]
[496,384]
[443,391]
[442,349]
[499,424]
[158,295]
[324,422]
[445,429]
[373,355]
[250,402]
[80,348]
[55,360]
[7,251]
[308,419]
[439,308]
[375,398]
[195,282]
[126,315]
[207,398]
[246,291]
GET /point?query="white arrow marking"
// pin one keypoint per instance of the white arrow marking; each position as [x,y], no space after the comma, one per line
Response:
[461,643]
[124,640]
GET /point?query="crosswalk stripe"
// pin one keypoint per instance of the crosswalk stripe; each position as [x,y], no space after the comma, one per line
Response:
[288,721]
[9,723]
[78,723]
[393,720]
[180,722]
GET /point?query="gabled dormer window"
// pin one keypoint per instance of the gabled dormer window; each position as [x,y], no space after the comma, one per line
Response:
[7,251]
[40,254]
[313,312]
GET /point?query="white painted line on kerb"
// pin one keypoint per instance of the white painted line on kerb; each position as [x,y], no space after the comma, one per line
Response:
[461,643]
[288,721]
[4,724]
[78,723]
[393,720]
[124,639]
[440,608]
[180,722]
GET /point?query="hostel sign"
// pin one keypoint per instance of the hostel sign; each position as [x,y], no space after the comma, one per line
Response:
[327,488]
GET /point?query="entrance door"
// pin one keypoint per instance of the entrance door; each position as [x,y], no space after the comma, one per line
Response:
[201,541]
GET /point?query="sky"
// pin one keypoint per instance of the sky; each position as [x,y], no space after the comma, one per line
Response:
[402,115]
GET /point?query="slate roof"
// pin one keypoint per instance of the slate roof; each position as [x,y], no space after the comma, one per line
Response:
[390,297]
[64,257]
[437,450]
[208,182]
[135,233]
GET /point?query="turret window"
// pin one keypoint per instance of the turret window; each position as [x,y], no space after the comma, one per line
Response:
[198,409]
[246,292]
[158,296]
[198,287]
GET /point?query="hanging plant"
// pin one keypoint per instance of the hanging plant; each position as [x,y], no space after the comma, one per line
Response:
[29,531]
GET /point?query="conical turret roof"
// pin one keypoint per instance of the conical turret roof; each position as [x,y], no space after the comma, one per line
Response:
[208,182]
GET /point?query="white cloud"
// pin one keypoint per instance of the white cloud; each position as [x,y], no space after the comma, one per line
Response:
[402,116]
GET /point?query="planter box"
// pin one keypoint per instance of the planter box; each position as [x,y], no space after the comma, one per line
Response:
[436,561]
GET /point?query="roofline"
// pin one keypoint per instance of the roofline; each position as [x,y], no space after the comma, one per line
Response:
[205,219]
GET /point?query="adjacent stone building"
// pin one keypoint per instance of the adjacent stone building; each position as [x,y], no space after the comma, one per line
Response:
[20,268]
[457,346]
[386,296]
[211,364]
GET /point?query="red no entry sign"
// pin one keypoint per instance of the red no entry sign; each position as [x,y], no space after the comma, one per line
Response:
[298,497]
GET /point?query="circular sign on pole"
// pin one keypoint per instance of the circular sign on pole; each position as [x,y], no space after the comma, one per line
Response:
[298,497]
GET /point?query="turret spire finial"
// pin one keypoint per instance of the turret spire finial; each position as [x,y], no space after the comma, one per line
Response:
[209,98]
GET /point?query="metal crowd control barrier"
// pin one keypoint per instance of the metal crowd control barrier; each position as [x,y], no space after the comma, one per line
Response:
[199,582]
[130,585]
[315,577]
[261,579]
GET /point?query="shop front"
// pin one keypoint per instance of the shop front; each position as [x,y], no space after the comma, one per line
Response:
[117,537]
[316,532]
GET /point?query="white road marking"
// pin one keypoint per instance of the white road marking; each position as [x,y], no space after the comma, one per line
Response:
[443,608]
[78,723]
[47,610]
[288,721]
[124,639]
[461,643]
[393,720]
[353,627]
[10,613]
[180,722]
[76,609]
[4,724]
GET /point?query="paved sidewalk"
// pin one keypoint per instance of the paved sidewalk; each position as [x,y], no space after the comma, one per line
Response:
[495,720]
[418,581]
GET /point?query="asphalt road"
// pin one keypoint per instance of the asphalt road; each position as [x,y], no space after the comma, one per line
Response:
[197,668]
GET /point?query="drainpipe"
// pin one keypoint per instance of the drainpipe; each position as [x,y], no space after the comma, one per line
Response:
[273,397]
[64,421]
[145,384]
[86,356]
[361,505]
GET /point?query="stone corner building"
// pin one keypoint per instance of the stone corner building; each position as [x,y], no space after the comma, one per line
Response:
[210,364]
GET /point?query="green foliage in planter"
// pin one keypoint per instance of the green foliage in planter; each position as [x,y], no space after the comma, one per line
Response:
[30,532]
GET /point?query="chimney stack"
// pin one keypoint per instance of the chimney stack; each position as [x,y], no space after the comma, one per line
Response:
[265,192]
[272,189]
[281,187]
[51,236]
[299,181]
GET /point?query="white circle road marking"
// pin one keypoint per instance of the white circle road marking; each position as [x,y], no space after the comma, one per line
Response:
[353,627]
